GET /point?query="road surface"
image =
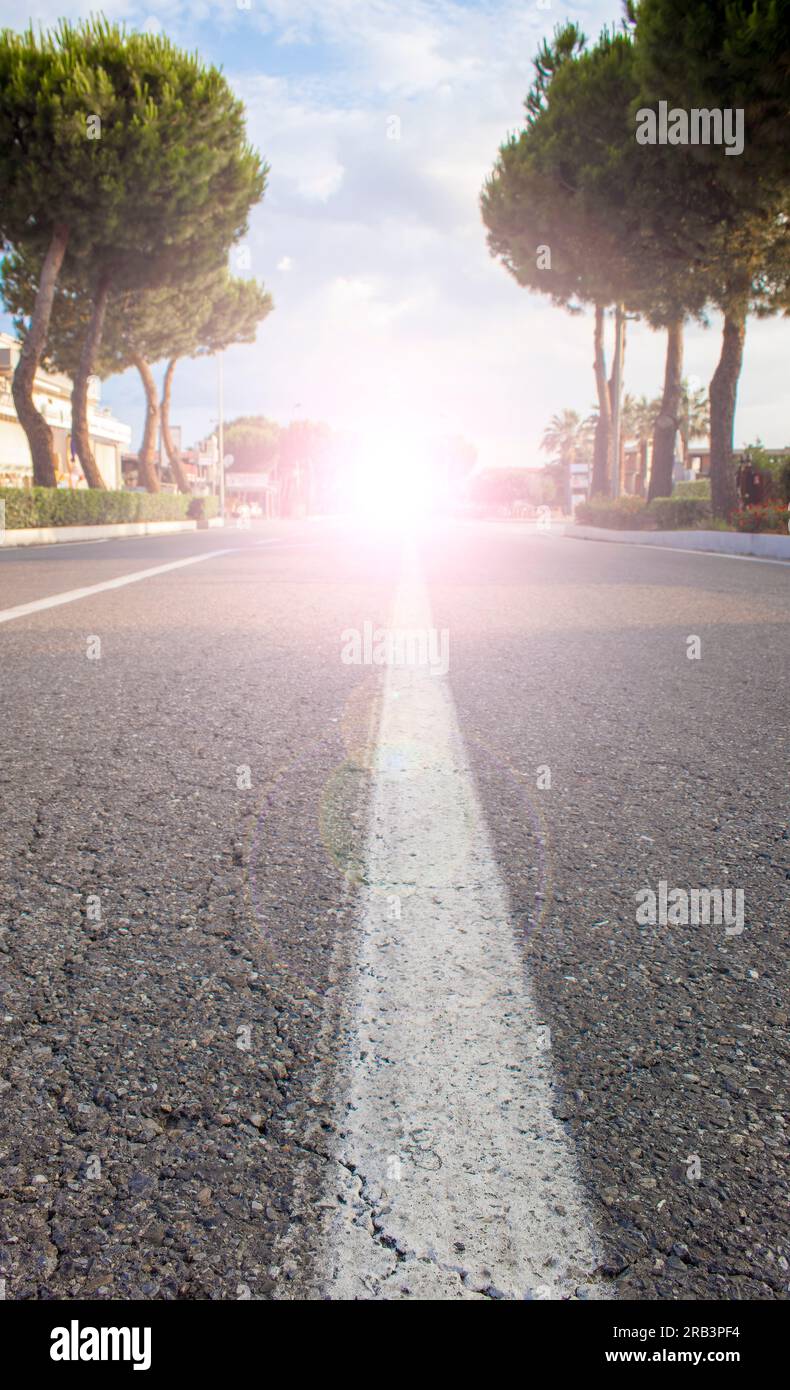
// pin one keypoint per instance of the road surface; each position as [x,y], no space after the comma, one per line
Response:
[325,978]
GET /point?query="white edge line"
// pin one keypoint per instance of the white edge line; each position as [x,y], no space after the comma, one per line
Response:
[71,595]
[44,547]
[680,550]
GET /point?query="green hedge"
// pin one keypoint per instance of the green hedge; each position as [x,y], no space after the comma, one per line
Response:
[699,487]
[622,514]
[50,506]
[679,513]
[633,514]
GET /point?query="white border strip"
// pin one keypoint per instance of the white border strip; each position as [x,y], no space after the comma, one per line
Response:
[732,545]
[14,537]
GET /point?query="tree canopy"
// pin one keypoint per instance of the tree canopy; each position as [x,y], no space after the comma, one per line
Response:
[580,210]
[253,440]
[125,165]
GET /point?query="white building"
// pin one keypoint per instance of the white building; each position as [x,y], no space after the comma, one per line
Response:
[52,395]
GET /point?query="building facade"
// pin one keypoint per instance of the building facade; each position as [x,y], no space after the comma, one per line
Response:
[52,395]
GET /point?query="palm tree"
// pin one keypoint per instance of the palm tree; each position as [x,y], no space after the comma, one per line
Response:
[639,416]
[565,438]
[694,416]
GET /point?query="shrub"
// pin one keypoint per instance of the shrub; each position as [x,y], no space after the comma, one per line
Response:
[700,487]
[620,514]
[768,518]
[632,514]
[50,506]
[679,513]
[775,470]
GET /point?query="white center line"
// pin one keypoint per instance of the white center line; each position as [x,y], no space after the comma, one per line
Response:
[71,595]
[457,1180]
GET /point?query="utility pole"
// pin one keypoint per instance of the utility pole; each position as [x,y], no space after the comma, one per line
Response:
[298,470]
[221,439]
[617,392]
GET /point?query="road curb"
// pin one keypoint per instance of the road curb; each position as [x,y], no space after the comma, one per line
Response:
[60,535]
[713,542]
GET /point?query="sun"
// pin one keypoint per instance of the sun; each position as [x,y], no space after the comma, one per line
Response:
[392,480]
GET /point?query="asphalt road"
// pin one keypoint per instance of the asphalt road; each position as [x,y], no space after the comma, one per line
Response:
[186,834]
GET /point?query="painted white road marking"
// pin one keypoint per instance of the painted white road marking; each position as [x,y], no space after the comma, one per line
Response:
[457,1180]
[681,550]
[71,595]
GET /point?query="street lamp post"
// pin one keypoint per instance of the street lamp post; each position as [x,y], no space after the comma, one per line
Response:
[221,439]
[621,319]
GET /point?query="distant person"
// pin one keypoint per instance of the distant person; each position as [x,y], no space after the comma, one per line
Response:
[744,481]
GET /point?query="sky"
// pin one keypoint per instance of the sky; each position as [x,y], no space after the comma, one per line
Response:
[380,120]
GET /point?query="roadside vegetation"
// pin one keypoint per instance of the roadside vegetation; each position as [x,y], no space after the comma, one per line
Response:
[126,179]
[127,182]
[47,506]
[678,513]
[576,208]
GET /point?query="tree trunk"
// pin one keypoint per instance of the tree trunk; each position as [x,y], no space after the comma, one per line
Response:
[173,456]
[146,465]
[80,435]
[600,474]
[615,450]
[668,418]
[723,393]
[39,434]
[643,445]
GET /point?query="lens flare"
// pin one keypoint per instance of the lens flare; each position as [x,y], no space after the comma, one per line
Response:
[392,481]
